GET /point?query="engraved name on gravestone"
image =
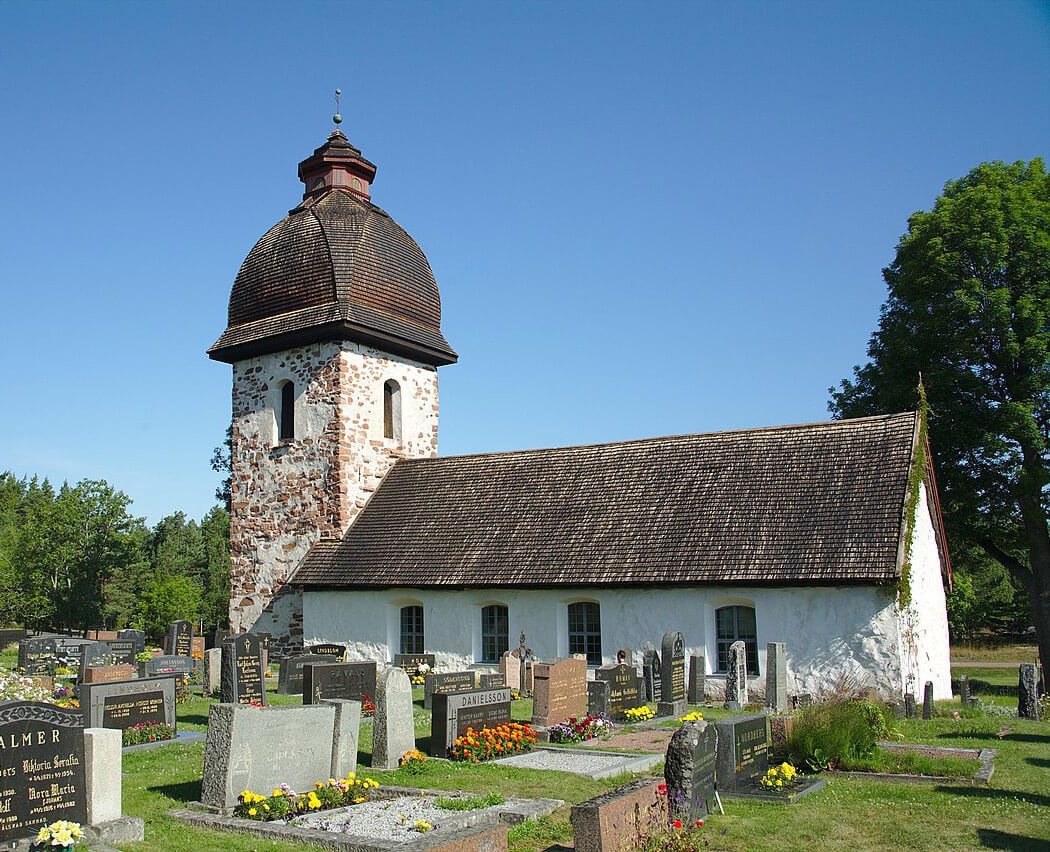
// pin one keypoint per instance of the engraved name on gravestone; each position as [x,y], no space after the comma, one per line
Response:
[179,641]
[736,678]
[136,636]
[624,689]
[689,769]
[42,767]
[124,704]
[352,681]
[104,674]
[290,677]
[743,751]
[242,670]
[776,677]
[37,656]
[123,650]
[410,663]
[559,691]
[493,681]
[696,679]
[672,675]
[651,675]
[454,712]
[167,664]
[327,649]
[445,682]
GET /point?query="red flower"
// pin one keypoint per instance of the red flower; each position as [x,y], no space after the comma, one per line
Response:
[661,789]
[677,823]
[699,823]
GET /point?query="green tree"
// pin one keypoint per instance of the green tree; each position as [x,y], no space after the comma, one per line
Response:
[969,310]
[168,597]
[221,462]
[215,602]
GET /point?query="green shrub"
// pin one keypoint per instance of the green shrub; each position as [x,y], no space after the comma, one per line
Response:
[827,734]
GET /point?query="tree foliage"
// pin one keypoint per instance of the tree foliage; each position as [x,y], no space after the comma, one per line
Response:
[969,310]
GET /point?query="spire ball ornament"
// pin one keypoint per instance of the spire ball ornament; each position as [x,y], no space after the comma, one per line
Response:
[337,118]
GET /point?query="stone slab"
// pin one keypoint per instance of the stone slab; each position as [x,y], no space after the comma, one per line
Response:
[593,764]
[743,751]
[351,681]
[446,682]
[123,704]
[613,820]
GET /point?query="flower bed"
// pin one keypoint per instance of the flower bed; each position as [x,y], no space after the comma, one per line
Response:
[639,714]
[147,732]
[285,803]
[578,730]
[488,743]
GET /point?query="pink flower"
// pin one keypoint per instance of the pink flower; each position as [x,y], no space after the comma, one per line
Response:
[661,789]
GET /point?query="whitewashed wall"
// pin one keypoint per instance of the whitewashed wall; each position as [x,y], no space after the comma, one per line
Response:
[831,633]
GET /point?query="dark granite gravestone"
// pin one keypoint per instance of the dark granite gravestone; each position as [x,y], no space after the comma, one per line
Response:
[927,700]
[696,679]
[446,682]
[42,767]
[352,681]
[242,670]
[736,678]
[598,697]
[124,704]
[743,751]
[123,650]
[179,641]
[672,675]
[624,691]
[37,656]
[11,635]
[909,706]
[689,770]
[776,677]
[964,691]
[410,663]
[167,664]
[559,691]
[327,650]
[651,675]
[1027,692]
[493,681]
[95,654]
[454,712]
[220,635]
[136,636]
[290,677]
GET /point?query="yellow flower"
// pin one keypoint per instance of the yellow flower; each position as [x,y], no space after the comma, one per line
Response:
[266,808]
[43,835]
[252,812]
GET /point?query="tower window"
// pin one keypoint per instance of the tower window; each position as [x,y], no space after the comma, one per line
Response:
[286,420]
[392,410]
[585,631]
[494,633]
[412,630]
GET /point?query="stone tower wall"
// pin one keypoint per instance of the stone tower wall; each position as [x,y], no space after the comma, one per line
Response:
[287,495]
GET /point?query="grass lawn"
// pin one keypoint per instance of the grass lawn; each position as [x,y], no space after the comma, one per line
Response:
[978,652]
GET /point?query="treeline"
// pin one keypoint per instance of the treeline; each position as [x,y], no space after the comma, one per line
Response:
[75,558]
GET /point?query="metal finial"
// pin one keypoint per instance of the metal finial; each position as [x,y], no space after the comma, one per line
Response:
[337,118]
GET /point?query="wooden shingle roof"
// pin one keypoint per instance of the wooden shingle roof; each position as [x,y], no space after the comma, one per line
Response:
[819,503]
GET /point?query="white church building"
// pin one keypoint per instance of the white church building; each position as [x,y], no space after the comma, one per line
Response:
[347,527]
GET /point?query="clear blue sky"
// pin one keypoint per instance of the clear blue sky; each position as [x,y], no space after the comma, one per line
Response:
[645,218]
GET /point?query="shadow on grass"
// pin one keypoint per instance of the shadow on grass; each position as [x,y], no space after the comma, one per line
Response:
[983,687]
[1028,738]
[968,735]
[992,839]
[989,793]
[1038,761]
[187,791]
[193,719]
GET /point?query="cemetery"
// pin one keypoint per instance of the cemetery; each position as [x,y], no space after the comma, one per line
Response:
[729,765]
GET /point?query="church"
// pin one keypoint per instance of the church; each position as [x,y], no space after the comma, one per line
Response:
[346,526]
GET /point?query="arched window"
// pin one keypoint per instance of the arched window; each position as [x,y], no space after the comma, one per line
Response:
[494,633]
[286,416]
[392,410]
[411,630]
[736,624]
[585,631]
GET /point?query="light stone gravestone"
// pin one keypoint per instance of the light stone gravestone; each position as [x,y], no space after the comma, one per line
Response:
[559,691]
[672,675]
[511,671]
[257,748]
[393,729]
[689,769]
[927,700]
[1027,692]
[736,678]
[776,677]
[696,679]
[212,670]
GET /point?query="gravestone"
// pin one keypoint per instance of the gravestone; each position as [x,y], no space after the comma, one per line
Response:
[454,712]
[42,767]
[124,704]
[393,730]
[212,670]
[411,663]
[909,706]
[95,654]
[736,678]
[257,748]
[37,656]
[197,647]
[927,700]
[776,677]
[743,751]
[672,675]
[10,636]
[290,677]
[1027,692]
[492,681]
[348,681]
[446,682]
[264,638]
[511,671]
[689,770]
[651,675]
[242,670]
[964,691]
[624,692]
[106,674]
[179,641]
[559,691]
[167,664]
[123,650]
[327,649]
[696,679]
[136,636]
[598,696]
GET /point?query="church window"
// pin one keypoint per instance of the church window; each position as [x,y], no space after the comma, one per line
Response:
[411,630]
[286,417]
[392,410]
[585,631]
[736,624]
[495,633]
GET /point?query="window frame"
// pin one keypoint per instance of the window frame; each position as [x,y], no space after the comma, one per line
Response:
[495,632]
[392,410]
[411,635]
[286,412]
[585,630]
[722,643]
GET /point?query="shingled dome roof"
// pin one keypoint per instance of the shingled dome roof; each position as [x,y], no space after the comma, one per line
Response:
[335,268]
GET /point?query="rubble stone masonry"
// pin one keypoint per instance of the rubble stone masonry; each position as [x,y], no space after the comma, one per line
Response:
[289,494]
